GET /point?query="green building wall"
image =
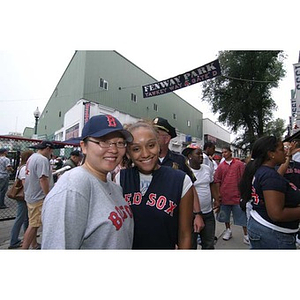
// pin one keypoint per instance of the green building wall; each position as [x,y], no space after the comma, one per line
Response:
[81,81]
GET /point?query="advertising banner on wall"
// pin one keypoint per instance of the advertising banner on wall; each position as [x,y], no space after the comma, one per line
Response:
[295,102]
[87,112]
[72,132]
[202,73]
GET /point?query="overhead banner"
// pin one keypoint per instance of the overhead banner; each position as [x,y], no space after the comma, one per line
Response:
[202,73]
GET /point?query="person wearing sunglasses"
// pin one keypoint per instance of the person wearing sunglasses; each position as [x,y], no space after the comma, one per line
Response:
[84,210]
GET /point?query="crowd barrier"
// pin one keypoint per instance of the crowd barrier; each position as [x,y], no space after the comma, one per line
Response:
[16,145]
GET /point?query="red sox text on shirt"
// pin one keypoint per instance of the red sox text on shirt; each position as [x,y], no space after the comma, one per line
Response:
[161,202]
[118,216]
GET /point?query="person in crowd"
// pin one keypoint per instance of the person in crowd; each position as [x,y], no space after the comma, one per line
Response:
[296,150]
[74,160]
[5,169]
[22,212]
[274,218]
[208,151]
[38,182]
[227,178]
[170,158]
[216,159]
[160,197]
[84,210]
[290,169]
[205,188]
[58,163]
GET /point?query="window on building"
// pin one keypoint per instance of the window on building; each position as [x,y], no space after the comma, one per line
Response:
[103,84]
[174,116]
[155,106]
[59,113]
[133,98]
[189,123]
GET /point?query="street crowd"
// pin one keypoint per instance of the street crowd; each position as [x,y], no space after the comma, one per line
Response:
[125,189]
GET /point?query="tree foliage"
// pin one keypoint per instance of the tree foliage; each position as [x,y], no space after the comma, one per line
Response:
[242,94]
[276,128]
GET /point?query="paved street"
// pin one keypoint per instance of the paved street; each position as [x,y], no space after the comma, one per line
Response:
[5,228]
[236,242]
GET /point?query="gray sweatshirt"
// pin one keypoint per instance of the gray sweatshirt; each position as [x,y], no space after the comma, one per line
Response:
[83,212]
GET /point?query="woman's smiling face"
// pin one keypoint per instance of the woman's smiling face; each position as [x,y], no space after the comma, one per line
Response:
[100,160]
[144,149]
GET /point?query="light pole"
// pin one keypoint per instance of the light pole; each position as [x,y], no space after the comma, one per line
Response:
[36,114]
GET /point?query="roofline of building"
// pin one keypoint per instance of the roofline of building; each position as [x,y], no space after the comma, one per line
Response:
[217,125]
[154,79]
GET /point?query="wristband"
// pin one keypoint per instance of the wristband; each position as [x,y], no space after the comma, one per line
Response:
[198,213]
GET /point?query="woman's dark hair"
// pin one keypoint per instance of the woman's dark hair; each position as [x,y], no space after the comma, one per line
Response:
[259,154]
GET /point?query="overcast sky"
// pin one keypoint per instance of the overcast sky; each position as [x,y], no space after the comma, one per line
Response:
[28,78]
[37,48]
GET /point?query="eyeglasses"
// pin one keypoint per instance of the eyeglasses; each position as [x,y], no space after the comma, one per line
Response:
[108,144]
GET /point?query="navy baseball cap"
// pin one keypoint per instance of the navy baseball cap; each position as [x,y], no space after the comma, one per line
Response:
[101,125]
[164,125]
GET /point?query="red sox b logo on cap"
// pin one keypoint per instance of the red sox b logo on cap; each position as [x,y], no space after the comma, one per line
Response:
[111,121]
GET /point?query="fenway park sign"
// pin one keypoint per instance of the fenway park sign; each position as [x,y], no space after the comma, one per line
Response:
[202,73]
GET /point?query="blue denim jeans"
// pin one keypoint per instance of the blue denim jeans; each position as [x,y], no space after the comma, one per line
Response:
[3,189]
[239,216]
[262,237]
[21,219]
[207,234]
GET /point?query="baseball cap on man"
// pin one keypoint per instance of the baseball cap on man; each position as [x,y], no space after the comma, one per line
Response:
[43,145]
[164,125]
[189,149]
[101,125]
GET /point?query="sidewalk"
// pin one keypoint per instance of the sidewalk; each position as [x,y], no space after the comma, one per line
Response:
[5,229]
[236,242]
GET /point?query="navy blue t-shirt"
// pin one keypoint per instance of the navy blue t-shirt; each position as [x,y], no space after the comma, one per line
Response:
[292,173]
[267,178]
[156,212]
